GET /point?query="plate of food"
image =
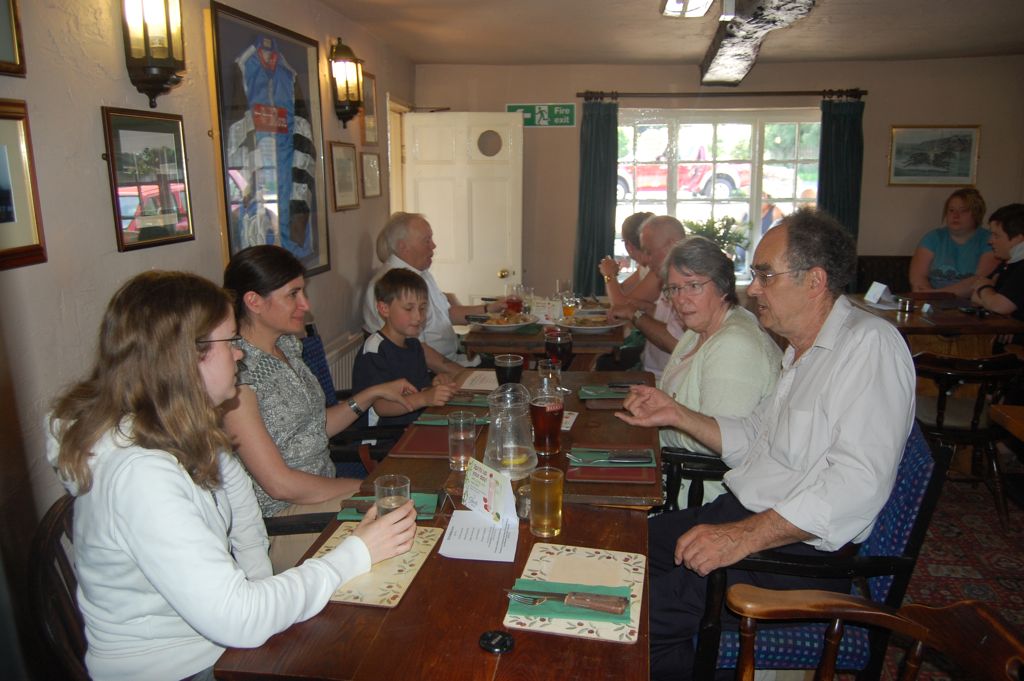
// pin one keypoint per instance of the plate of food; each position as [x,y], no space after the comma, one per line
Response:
[588,324]
[507,322]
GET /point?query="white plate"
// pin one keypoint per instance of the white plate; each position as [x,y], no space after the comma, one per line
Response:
[568,323]
[531,319]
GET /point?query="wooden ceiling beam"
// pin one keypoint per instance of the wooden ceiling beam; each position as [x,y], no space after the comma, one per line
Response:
[736,44]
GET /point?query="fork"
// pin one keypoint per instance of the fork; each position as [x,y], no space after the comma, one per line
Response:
[527,600]
[625,456]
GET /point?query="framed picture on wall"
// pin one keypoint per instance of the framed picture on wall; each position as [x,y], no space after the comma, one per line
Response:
[271,136]
[21,227]
[148,178]
[371,174]
[368,114]
[12,54]
[344,175]
[933,155]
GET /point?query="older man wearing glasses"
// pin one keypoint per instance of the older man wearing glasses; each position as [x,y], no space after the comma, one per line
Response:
[813,465]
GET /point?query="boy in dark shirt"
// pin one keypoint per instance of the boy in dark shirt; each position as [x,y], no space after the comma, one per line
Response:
[394,351]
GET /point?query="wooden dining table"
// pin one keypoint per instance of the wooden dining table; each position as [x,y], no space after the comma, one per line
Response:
[434,631]
[586,347]
[593,427]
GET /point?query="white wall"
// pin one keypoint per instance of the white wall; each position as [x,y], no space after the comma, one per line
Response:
[75,60]
[988,92]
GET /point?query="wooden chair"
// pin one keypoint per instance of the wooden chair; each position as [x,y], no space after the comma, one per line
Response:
[679,464]
[53,586]
[964,420]
[968,633]
[881,570]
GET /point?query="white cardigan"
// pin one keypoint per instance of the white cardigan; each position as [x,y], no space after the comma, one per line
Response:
[169,574]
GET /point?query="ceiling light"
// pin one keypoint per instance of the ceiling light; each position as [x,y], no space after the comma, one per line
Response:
[685,8]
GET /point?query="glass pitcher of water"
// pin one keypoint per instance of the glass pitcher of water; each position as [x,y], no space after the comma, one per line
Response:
[510,435]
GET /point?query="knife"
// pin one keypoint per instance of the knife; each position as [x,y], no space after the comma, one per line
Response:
[615,605]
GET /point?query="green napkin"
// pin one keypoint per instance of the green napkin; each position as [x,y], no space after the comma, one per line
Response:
[463,401]
[592,456]
[602,392]
[425,503]
[562,611]
[442,420]
[528,330]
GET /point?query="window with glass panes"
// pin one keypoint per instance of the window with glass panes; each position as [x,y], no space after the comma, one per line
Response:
[754,166]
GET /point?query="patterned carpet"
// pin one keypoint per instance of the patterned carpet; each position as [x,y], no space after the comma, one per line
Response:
[966,555]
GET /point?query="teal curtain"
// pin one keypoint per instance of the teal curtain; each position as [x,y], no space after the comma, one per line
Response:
[841,161]
[595,230]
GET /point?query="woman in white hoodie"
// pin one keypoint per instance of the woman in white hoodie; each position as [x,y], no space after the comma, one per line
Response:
[170,547]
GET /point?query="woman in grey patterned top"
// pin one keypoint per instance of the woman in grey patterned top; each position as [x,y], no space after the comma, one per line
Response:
[280,426]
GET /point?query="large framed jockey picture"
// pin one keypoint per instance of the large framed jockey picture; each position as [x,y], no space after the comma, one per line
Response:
[271,137]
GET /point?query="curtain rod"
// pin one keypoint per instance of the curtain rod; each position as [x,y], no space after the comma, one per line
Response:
[854,93]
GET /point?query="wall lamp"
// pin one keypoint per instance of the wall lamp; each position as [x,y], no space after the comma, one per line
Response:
[153,49]
[346,82]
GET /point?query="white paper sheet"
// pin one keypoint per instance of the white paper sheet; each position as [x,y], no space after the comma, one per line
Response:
[490,529]
[480,381]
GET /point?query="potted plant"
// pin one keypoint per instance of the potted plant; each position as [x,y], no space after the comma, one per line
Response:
[722,231]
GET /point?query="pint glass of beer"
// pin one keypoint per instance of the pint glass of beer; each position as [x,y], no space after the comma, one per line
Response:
[546,501]
[546,411]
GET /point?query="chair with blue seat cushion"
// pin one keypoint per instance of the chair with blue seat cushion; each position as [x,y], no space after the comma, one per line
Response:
[357,443]
[881,571]
[968,633]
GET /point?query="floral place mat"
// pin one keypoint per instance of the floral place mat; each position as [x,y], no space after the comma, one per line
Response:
[593,567]
[388,581]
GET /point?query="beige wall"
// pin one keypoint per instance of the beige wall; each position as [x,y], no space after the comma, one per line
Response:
[987,92]
[75,65]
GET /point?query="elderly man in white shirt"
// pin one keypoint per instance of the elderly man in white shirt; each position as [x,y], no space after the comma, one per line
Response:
[813,465]
[650,313]
[407,241]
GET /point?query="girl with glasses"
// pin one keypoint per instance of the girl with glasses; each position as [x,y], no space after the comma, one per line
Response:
[170,547]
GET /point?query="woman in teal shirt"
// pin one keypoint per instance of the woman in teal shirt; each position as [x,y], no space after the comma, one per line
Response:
[953,257]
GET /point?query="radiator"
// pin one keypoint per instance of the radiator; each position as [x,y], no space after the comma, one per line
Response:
[341,355]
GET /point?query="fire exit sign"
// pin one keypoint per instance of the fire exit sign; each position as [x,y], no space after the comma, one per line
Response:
[545,115]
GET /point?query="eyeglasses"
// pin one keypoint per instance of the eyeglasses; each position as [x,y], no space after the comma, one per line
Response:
[764,277]
[693,288]
[233,340]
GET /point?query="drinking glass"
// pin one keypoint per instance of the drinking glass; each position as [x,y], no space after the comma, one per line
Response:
[390,491]
[546,411]
[550,374]
[514,298]
[461,439]
[569,304]
[558,346]
[508,369]
[562,287]
[546,485]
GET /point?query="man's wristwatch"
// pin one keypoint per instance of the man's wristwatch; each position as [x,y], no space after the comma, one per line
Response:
[637,315]
[354,406]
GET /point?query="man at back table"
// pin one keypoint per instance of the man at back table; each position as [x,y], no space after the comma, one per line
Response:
[813,465]
[408,241]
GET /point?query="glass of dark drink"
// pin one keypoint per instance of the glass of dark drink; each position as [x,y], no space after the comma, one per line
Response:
[558,347]
[508,368]
[546,412]
[514,299]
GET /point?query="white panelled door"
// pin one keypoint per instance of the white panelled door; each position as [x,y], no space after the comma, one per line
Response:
[464,172]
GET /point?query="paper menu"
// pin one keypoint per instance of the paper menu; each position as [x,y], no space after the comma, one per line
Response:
[489,530]
[480,381]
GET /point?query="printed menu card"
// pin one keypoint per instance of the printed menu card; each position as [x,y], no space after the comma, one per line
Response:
[489,530]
